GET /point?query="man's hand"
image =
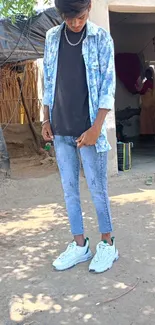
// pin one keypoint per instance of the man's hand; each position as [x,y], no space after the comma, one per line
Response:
[89,138]
[47,132]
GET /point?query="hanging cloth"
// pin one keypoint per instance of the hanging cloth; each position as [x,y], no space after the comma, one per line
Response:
[128,69]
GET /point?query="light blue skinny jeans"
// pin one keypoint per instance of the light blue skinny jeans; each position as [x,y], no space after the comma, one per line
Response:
[95,169]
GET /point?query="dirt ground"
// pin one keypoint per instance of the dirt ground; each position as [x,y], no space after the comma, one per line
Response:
[33,231]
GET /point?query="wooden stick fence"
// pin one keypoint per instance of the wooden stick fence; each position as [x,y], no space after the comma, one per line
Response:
[10,100]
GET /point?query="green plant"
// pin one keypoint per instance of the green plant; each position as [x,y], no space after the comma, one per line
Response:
[11,8]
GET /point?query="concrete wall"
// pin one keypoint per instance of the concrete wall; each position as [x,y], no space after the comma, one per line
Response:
[100,13]
[124,98]
[131,5]
[100,16]
[134,38]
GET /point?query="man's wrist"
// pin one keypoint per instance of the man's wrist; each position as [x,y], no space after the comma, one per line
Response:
[96,127]
[46,113]
[45,121]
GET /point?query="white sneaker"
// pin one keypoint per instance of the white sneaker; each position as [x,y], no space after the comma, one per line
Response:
[104,258]
[73,255]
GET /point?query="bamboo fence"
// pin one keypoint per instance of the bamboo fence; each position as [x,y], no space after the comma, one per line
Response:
[11,108]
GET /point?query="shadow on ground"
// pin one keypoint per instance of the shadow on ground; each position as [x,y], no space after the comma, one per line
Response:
[33,231]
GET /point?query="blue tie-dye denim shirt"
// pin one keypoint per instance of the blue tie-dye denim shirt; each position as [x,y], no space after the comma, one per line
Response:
[98,54]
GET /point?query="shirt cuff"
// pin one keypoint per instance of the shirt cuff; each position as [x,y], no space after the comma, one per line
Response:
[106,102]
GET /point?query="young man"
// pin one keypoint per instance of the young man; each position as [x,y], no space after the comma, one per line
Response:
[79,81]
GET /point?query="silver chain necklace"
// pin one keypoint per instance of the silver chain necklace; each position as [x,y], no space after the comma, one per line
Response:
[68,41]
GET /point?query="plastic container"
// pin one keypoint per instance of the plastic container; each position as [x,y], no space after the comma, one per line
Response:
[47,146]
[124,156]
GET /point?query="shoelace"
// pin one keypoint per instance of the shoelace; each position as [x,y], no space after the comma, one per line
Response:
[70,247]
[100,251]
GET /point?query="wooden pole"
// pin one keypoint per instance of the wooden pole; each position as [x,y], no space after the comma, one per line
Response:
[4,157]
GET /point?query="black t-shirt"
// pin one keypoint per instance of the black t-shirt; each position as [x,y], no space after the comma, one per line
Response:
[70,114]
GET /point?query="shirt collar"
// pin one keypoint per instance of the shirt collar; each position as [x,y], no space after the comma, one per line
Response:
[92,29]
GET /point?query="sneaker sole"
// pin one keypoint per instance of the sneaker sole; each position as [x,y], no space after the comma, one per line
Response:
[85,258]
[109,267]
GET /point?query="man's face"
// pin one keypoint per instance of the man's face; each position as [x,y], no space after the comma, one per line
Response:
[77,24]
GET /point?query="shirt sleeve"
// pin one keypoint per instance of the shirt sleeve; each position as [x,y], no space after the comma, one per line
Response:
[107,70]
[46,81]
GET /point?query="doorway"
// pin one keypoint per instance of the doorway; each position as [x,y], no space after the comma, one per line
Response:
[134,40]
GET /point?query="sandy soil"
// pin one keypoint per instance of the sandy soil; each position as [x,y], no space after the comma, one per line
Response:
[33,231]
